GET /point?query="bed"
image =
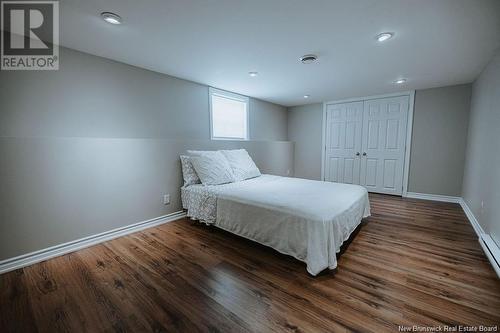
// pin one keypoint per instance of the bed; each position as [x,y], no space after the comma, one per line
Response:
[306,219]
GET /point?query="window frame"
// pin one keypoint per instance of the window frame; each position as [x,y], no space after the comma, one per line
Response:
[235,97]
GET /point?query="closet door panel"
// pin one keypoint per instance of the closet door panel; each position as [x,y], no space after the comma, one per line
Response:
[343,142]
[383,144]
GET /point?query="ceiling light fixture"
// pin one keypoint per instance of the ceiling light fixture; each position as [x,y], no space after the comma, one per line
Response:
[384,36]
[308,58]
[400,81]
[306,96]
[111,18]
[253,74]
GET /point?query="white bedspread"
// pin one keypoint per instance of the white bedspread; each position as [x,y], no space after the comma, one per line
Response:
[306,219]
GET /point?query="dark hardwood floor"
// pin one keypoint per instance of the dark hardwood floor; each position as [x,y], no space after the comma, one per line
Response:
[413,262]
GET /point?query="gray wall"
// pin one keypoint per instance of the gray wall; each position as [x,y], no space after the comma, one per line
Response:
[95,145]
[438,142]
[482,167]
[305,126]
[441,117]
[55,190]
[267,121]
[96,97]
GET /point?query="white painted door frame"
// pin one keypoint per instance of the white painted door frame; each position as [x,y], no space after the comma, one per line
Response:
[409,129]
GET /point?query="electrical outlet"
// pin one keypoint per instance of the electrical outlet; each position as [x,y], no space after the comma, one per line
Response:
[166,199]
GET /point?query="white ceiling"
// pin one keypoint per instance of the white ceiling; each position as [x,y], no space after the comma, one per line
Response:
[217,42]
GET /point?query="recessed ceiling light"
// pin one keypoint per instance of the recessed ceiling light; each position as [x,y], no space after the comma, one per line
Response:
[400,81]
[253,74]
[308,58]
[306,96]
[384,36]
[111,18]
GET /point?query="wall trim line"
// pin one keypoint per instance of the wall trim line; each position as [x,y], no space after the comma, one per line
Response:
[366,98]
[58,250]
[433,197]
[492,251]
[472,219]
[489,246]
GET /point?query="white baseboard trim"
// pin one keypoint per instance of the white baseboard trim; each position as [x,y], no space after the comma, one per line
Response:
[490,248]
[58,250]
[492,252]
[472,219]
[434,197]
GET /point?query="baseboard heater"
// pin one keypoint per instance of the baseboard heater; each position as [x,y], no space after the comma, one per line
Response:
[492,251]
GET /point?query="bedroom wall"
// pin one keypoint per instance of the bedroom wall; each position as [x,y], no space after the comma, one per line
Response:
[440,121]
[96,97]
[95,145]
[482,167]
[267,121]
[305,128]
[438,142]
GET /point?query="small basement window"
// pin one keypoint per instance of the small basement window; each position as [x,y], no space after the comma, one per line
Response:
[228,115]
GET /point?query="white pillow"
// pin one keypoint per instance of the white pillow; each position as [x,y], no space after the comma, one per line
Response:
[212,167]
[242,164]
[188,173]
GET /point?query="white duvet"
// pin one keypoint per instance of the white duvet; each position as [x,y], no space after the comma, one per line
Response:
[306,219]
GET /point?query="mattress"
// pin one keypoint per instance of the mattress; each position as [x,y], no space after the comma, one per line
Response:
[306,219]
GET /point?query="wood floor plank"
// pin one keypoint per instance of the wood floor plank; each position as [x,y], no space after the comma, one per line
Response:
[49,299]
[413,262]
[15,303]
[165,269]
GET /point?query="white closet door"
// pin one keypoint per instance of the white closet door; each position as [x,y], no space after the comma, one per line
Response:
[383,146]
[343,142]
